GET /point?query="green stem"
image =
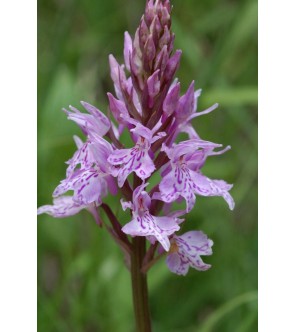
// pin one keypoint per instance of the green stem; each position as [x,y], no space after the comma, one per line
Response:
[139,286]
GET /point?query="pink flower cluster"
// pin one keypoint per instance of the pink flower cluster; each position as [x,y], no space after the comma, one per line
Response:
[148,105]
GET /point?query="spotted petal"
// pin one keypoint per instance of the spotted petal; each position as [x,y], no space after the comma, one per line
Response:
[177,183]
[136,160]
[186,250]
[89,186]
[64,206]
[188,147]
[183,178]
[94,151]
[82,157]
[149,225]
[207,187]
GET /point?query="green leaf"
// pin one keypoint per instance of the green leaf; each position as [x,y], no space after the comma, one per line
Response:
[227,308]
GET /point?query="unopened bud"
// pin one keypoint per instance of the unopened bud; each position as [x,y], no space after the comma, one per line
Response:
[172,65]
[117,108]
[165,17]
[153,84]
[162,59]
[171,100]
[127,49]
[149,12]
[143,33]
[149,50]
[165,39]
[186,103]
[156,28]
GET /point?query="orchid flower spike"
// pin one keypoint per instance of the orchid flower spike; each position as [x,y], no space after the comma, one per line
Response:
[147,108]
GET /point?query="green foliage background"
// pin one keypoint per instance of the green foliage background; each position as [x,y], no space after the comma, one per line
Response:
[82,282]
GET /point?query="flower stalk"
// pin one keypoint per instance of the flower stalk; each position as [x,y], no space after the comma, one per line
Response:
[139,286]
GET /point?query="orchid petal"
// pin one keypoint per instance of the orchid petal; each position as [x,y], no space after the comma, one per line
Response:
[89,186]
[62,207]
[127,49]
[96,121]
[148,225]
[186,250]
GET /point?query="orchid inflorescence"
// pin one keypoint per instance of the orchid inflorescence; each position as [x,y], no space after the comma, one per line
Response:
[147,104]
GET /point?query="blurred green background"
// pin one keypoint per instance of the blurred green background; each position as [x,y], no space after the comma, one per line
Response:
[83,284]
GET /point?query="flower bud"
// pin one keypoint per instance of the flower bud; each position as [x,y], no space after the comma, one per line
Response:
[171,43]
[171,100]
[127,49]
[117,74]
[165,17]
[149,12]
[165,39]
[118,108]
[172,65]
[153,84]
[156,28]
[161,59]
[149,51]
[136,63]
[186,103]
[143,33]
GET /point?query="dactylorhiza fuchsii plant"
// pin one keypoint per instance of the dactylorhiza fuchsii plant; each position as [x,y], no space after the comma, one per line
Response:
[148,105]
